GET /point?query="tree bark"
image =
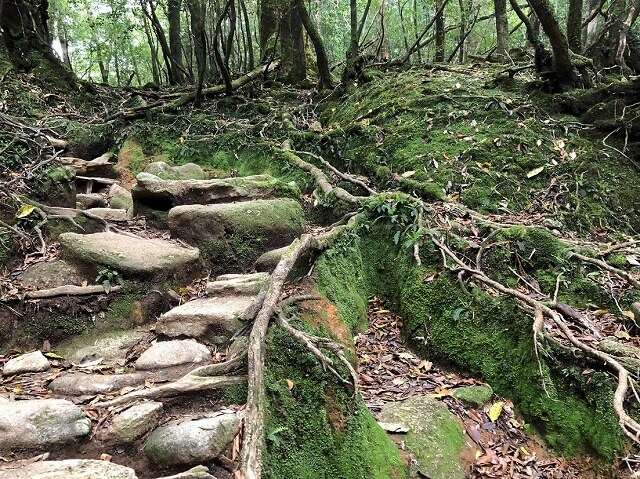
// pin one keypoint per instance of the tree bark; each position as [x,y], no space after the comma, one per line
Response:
[440,31]
[175,41]
[324,72]
[197,14]
[562,65]
[502,30]
[574,25]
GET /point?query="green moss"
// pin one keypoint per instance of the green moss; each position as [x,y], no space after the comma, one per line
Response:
[132,156]
[316,429]
[489,337]
[476,395]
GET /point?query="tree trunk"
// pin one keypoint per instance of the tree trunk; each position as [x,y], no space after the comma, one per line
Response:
[562,65]
[175,41]
[25,41]
[247,26]
[269,13]
[502,30]
[324,72]
[63,38]
[574,25]
[464,24]
[440,32]
[197,13]
[160,36]
[621,46]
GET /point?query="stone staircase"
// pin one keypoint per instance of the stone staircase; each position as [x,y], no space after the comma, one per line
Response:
[205,219]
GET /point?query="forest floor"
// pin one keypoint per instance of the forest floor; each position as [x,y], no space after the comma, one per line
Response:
[501,147]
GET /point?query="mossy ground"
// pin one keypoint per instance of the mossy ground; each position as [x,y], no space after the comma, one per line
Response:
[460,134]
[314,426]
[486,336]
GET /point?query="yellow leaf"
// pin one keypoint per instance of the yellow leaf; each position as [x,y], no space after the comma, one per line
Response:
[600,312]
[289,384]
[53,356]
[181,139]
[622,335]
[479,453]
[535,171]
[25,210]
[629,314]
[496,410]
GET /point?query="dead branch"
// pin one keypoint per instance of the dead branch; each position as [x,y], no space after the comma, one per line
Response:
[618,272]
[70,290]
[618,247]
[344,176]
[163,105]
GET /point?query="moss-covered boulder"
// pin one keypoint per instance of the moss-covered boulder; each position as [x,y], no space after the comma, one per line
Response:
[475,395]
[120,198]
[435,437]
[131,255]
[232,235]
[161,194]
[56,186]
[51,274]
[188,171]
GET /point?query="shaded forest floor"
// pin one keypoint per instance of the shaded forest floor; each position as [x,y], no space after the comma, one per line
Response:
[564,165]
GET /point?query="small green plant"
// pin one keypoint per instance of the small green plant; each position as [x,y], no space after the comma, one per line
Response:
[108,277]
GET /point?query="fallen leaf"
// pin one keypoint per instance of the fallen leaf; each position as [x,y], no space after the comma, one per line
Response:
[408,174]
[289,384]
[535,172]
[622,335]
[496,410]
[24,211]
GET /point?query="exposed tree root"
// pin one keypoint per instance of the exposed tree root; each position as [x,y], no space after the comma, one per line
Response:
[618,272]
[70,290]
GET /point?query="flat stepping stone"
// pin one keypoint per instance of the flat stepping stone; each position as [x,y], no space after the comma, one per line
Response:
[109,214]
[40,424]
[198,472]
[69,469]
[27,363]
[237,284]
[191,442]
[80,384]
[90,200]
[173,353]
[130,255]
[108,346]
[163,194]
[188,171]
[51,274]
[215,319]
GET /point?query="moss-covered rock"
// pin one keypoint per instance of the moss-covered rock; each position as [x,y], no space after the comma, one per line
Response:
[232,235]
[56,186]
[476,395]
[435,437]
[188,171]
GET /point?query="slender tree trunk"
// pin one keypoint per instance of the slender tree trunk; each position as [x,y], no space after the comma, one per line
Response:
[175,41]
[324,72]
[269,13]
[232,31]
[294,63]
[632,15]
[502,30]
[440,32]
[590,28]
[220,60]
[352,53]
[415,27]
[155,67]
[464,25]
[247,26]
[160,36]
[405,40]
[63,38]
[574,25]
[197,14]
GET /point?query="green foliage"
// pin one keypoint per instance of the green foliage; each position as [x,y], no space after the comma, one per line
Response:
[108,277]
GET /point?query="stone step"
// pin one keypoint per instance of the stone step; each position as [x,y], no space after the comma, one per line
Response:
[68,469]
[163,194]
[132,255]
[165,354]
[40,424]
[237,284]
[231,236]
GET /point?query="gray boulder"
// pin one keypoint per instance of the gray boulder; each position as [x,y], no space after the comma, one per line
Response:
[81,384]
[109,214]
[90,200]
[173,353]
[188,171]
[26,363]
[198,472]
[237,284]
[108,346]
[51,274]
[69,469]
[215,319]
[191,442]
[41,424]
[156,192]
[131,255]
[136,421]
[120,198]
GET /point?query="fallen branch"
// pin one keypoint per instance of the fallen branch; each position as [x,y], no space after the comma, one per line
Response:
[160,106]
[70,290]
[344,176]
[618,272]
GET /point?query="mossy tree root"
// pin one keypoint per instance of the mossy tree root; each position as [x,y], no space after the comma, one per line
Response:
[630,427]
